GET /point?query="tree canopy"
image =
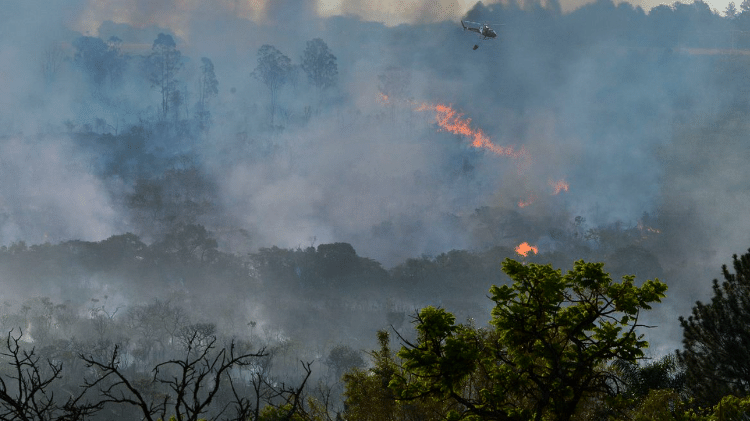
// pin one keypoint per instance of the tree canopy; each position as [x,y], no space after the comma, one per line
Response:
[319,64]
[547,350]
[716,338]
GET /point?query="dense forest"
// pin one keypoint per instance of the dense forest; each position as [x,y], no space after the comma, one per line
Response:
[224,213]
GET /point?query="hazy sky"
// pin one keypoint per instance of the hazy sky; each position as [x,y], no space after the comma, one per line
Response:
[398,10]
[176,14]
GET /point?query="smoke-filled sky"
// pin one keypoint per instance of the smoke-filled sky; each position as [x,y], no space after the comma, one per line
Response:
[634,112]
[177,15]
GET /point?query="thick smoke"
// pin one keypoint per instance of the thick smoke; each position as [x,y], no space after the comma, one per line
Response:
[641,114]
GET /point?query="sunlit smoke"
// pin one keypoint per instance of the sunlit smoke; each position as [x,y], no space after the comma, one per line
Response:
[524,248]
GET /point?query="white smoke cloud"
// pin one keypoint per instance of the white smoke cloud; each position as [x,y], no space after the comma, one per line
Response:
[47,194]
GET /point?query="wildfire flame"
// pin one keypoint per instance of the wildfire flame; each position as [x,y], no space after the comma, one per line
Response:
[454,122]
[558,186]
[523,203]
[524,248]
[642,227]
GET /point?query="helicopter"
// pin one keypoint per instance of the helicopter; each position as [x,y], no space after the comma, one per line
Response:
[483,29]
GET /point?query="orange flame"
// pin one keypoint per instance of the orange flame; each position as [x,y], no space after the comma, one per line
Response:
[524,248]
[642,227]
[558,186]
[454,122]
[523,203]
[383,98]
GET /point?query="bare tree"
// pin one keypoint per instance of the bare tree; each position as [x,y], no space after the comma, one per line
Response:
[27,391]
[191,382]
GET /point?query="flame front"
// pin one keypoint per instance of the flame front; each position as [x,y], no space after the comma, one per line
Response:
[524,248]
[454,122]
[558,186]
[523,203]
[644,228]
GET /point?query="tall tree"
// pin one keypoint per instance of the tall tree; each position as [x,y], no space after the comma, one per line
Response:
[716,338]
[274,70]
[99,60]
[731,10]
[52,60]
[208,87]
[164,63]
[545,354]
[319,64]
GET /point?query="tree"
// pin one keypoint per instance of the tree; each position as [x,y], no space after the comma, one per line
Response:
[716,337]
[208,87]
[99,60]
[164,62]
[274,70]
[192,382]
[52,60]
[546,351]
[189,242]
[662,374]
[319,64]
[368,397]
[731,10]
[27,392]
[343,358]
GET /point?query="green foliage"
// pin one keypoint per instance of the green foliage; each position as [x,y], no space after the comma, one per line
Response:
[640,379]
[547,350]
[280,413]
[716,338]
[662,405]
[368,397]
[667,405]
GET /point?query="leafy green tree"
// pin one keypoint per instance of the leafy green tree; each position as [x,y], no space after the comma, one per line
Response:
[716,338]
[662,374]
[546,351]
[368,397]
